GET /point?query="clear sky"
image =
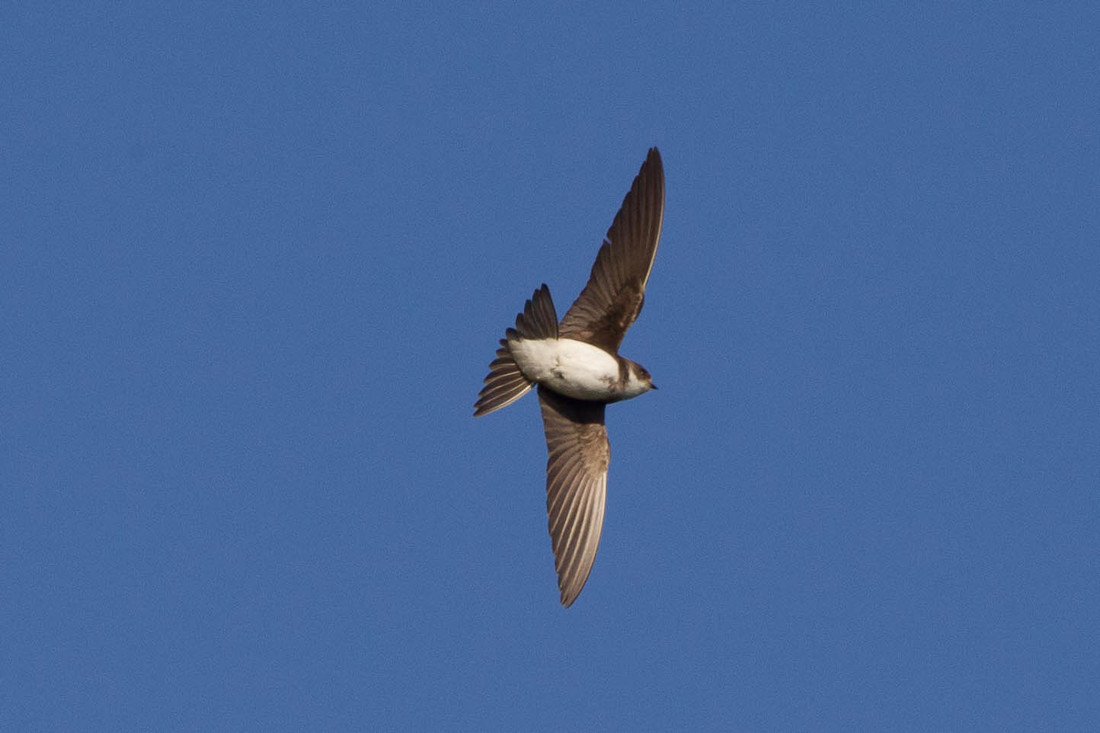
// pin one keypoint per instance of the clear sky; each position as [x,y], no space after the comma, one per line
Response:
[254,262]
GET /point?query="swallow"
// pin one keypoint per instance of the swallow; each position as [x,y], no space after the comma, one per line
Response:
[576,367]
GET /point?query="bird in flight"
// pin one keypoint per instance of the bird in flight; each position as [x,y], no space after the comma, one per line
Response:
[578,370]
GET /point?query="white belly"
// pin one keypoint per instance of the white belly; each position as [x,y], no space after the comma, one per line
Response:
[569,367]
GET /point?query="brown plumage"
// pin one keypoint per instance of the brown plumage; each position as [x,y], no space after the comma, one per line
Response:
[576,437]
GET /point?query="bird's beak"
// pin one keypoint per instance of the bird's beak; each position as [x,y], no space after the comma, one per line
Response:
[652,385]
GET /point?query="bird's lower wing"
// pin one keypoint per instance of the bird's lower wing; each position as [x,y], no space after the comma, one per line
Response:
[576,485]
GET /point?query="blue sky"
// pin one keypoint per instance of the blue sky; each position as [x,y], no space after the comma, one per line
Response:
[254,261]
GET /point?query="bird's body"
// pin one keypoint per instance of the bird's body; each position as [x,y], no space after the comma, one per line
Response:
[578,371]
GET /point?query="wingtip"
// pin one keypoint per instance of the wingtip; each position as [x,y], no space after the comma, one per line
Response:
[569,595]
[653,160]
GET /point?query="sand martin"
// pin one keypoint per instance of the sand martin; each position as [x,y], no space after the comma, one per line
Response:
[578,370]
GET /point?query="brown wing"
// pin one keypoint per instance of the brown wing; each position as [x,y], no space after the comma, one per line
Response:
[576,485]
[613,297]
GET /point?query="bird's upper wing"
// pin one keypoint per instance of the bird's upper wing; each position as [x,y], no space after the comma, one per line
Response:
[615,292]
[576,485]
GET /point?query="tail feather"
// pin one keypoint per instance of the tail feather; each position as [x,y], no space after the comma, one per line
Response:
[505,382]
[539,320]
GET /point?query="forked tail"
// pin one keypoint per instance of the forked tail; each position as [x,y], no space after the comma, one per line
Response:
[505,383]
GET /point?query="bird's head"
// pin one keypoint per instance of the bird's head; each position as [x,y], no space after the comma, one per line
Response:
[638,380]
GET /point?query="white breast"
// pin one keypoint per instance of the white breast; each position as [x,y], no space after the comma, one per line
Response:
[569,367]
